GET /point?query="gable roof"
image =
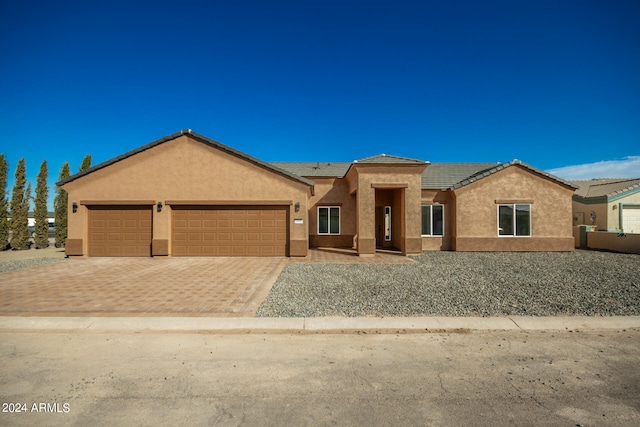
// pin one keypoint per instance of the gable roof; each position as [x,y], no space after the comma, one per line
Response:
[195,136]
[451,176]
[605,187]
[500,166]
[389,159]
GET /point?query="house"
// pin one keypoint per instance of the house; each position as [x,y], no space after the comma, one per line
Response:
[608,204]
[188,195]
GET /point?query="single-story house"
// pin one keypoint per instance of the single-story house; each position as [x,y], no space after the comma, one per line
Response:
[188,195]
[608,204]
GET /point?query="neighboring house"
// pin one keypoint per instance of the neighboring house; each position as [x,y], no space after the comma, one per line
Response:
[609,204]
[31,219]
[188,195]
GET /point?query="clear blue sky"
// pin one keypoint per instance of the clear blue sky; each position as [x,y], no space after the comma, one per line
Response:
[552,83]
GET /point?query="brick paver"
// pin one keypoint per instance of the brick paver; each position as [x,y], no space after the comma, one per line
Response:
[140,286]
[217,287]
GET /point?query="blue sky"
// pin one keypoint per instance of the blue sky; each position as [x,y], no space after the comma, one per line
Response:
[552,83]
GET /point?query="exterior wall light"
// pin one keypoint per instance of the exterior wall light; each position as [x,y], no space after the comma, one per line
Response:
[159,206]
[74,207]
[297,206]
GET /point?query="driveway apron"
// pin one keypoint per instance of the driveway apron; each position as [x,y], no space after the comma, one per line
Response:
[217,287]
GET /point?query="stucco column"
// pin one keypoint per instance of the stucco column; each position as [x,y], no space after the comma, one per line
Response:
[412,220]
[366,201]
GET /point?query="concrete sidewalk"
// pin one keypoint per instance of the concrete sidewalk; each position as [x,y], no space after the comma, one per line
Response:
[317,325]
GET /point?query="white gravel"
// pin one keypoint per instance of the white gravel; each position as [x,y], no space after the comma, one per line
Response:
[463,284]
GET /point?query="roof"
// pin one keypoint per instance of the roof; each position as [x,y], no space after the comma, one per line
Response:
[500,166]
[442,176]
[198,137]
[605,187]
[388,159]
[315,169]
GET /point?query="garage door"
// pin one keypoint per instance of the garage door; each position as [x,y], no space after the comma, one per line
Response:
[631,218]
[120,231]
[229,231]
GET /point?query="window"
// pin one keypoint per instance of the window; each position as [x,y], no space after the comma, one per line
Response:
[432,220]
[514,220]
[329,220]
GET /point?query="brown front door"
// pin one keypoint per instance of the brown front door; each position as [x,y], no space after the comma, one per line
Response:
[120,231]
[229,231]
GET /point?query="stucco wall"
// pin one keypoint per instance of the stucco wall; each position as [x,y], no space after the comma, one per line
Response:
[332,192]
[183,170]
[607,214]
[403,178]
[438,243]
[628,243]
[476,212]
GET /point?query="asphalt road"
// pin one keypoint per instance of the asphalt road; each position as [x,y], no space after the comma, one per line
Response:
[468,378]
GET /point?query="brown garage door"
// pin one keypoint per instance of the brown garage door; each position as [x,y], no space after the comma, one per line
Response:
[229,231]
[120,231]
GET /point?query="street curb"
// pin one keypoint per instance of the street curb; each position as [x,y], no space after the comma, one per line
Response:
[315,325]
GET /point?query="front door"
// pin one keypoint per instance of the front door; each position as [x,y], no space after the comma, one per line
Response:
[383,226]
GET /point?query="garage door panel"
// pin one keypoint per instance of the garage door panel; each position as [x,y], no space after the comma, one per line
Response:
[120,231]
[235,231]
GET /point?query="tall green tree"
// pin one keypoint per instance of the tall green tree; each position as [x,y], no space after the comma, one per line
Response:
[20,209]
[86,163]
[60,206]
[4,205]
[40,212]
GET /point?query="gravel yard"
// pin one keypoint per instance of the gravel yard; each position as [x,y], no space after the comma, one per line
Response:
[14,260]
[462,284]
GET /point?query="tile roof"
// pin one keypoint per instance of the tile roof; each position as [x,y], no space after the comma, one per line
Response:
[500,166]
[607,187]
[315,169]
[198,137]
[441,176]
[389,159]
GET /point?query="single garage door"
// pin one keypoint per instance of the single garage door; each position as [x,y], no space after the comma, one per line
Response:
[631,218]
[229,231]
[120,231]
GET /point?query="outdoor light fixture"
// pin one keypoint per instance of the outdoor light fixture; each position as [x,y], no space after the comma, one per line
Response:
[297,206]
[159,206]
[74,207]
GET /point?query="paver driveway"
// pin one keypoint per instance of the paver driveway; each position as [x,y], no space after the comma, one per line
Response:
[220,287]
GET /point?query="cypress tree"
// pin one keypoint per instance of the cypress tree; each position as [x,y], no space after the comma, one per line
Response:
[20,209]
[60,206]
[40,212]
[86,163]
[4,205]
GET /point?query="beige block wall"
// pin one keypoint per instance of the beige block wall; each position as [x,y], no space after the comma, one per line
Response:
[476,222]
[185,169]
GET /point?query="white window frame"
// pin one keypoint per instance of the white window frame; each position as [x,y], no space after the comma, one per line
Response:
[329,233]
[431,215]
[513,207]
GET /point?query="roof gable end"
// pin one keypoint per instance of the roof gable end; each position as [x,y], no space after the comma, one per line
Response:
[490,171]
[390,159]
[198,137]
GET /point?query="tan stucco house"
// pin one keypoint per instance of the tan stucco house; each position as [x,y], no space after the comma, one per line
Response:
[608,204]
[188,195]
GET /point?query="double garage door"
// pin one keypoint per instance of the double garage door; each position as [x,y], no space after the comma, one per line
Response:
[196,231]
[229,231]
